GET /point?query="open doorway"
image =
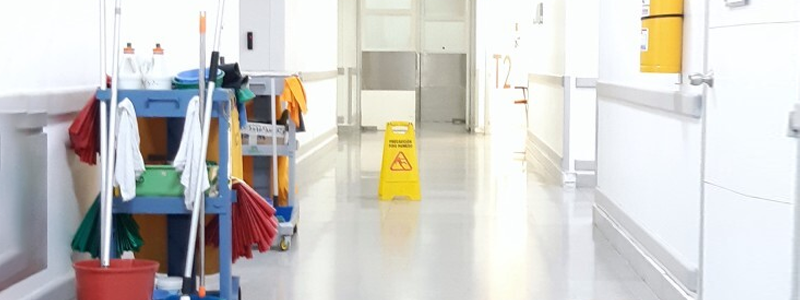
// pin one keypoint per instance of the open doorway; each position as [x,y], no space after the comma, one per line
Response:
[413,57]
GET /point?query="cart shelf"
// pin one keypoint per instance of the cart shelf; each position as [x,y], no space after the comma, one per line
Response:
[164,104]
[169,205]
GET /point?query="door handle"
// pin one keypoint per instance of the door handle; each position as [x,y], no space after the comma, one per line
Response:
[698,79]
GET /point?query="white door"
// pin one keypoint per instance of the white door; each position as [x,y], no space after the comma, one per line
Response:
[389,62]
[444,34]
[750,162]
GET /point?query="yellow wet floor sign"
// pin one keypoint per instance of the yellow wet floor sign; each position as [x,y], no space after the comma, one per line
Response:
[399,171]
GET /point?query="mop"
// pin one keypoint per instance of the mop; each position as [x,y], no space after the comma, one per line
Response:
[198,201]
[108,142]
[254,223]
[201,85]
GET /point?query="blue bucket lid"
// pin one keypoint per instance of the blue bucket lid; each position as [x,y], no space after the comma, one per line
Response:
[190,76]
[161,295]
[194,297]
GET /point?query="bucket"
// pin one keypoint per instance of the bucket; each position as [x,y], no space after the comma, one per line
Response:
[124,279]
[172,285]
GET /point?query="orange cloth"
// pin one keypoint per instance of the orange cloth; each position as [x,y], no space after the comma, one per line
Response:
[235,147]
[295,97]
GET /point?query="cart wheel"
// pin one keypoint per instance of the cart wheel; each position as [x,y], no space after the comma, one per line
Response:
[240,293]
[295,229]
[286,242]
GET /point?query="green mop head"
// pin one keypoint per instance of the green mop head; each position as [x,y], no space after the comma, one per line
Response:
[126,233]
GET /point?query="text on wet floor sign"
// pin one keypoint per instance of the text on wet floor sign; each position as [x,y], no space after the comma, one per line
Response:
[400,169]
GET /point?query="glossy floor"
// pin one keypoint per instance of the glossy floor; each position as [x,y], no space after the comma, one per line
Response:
[489,227]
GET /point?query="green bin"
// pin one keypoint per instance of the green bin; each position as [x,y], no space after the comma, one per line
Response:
[165,181]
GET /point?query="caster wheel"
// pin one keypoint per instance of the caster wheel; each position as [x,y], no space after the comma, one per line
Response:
[286,242]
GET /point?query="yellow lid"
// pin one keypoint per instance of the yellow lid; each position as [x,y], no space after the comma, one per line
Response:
[654,8]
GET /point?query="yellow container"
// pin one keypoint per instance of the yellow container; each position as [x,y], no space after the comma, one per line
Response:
[662,8]
[662,45]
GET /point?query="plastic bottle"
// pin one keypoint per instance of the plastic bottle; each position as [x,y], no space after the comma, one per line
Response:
[157,77]
[130,77]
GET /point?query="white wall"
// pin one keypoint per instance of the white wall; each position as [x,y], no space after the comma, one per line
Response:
[566,44]
[61,36]
[312,46]
[50,61]
[582,61]
[649,161]
[547,45]
[174,24]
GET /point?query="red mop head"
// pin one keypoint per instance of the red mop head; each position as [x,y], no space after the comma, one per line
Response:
[253,223]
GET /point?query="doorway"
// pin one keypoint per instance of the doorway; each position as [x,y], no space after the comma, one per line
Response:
[413,61]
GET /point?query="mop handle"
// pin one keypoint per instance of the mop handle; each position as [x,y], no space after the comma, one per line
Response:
[103,120]
[203,153]
[203,98]
[105,259]
[273,105]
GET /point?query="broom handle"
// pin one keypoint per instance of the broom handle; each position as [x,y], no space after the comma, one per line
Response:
[187,274]
[105,260]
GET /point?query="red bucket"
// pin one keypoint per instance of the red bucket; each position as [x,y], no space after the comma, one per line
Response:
[124,279]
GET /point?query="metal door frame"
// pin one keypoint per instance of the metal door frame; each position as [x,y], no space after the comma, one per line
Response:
[471,96]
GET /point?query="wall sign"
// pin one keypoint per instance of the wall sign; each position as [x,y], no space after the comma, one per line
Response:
[538,17]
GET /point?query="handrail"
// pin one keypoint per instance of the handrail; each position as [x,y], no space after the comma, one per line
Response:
[319,75]
[675,102]
[548,79]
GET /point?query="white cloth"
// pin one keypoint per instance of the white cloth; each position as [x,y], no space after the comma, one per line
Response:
[188,156]
[129,164]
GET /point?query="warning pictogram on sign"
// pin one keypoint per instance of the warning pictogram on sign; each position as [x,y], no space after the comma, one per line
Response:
[401,163]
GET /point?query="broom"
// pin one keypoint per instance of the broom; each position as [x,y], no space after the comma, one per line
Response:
[126,233]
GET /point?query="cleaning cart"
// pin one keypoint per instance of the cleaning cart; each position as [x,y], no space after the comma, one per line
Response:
[172,104]
[270,85]
[167,104]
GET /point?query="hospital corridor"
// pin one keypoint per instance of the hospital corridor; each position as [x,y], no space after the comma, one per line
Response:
[400,150]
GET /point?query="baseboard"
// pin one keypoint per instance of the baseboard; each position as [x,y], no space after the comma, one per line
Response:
[53,287]
[585,179]
[586,173]
[347,129]
[61,289]
[638,250]
[312,156]
[539,152]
